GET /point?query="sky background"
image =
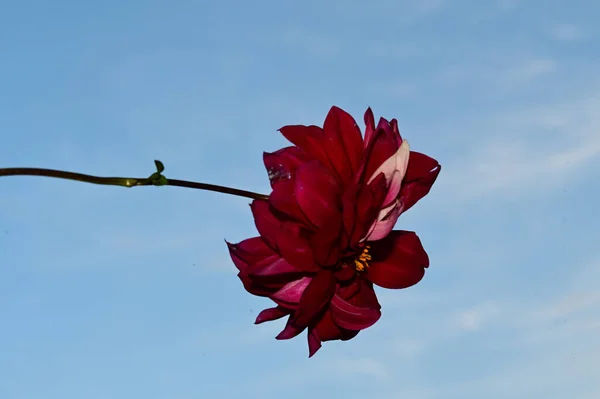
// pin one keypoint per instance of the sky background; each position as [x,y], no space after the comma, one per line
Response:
[108,292]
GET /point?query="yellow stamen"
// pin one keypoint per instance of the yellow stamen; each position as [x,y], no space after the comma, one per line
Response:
[362,262]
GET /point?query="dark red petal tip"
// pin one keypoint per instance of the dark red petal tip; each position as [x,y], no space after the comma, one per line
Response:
[421,173]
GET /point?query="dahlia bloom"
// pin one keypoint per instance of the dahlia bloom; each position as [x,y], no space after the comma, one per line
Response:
[325,231]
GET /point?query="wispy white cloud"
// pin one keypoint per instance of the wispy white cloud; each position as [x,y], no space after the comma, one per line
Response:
[546,348]
[519,163]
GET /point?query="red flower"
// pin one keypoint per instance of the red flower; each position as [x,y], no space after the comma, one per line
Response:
[326,229]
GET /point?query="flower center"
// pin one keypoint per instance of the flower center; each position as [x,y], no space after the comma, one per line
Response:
[362,262]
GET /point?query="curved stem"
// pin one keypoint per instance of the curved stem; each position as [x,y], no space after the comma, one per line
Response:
[129,182]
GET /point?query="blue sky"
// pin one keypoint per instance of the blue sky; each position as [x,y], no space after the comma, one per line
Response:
[114,293]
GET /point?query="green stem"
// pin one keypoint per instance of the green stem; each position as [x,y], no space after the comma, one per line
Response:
[155,179]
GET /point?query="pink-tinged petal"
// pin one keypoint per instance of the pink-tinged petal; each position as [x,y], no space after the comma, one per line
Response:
[318,194]
[385,222]
[267,224]
[290,331]
[343,142]
[283,163]
[353,317]
[394,169]
[314,298]
[399,260]
[395,182]
[272,266]
[388,218]
[290,294]
[314,343]
[397,162]
[369,127]
[294,246]
[271,314]
[421,173]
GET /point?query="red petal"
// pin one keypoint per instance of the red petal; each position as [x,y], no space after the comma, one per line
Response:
[290,294]
[369,126]
[249,252]
[293,245]
[343,142]
[282,164]
[421,174]
[353,317]
[314,343]
[309,139]
[290,331]
[317,192]
[326,243]
[271,314]
[283,199]
[327,330]
[272,266]
[362,207]
[399,260]
[266,223]
[315,298]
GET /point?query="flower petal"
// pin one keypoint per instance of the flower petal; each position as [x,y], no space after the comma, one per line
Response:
[283,163]
[309,139]
[382,146]
[353,317]
[271,314]
[248,252]
[295,248]
[326,330]
[394,169]
[399,260]
[290,294]
[338,146]
[283,199]
[361,207]
[290,330]
[343,142]
[355,306]
[385,222]
[369,127]
[421,173]
[272,267]
[314,343]
[266,223]
[326,243]
[317,192]
[314,298]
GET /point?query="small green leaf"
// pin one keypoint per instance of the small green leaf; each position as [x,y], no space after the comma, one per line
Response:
[159,166]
